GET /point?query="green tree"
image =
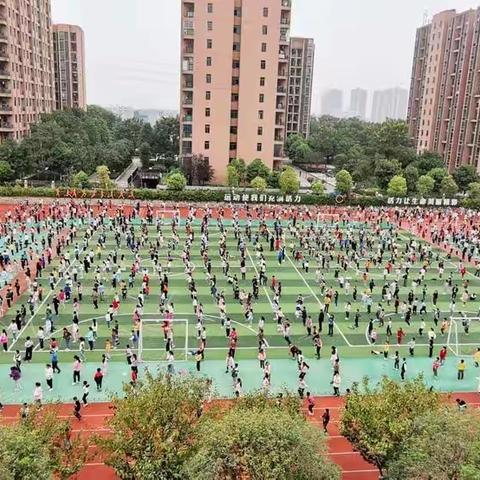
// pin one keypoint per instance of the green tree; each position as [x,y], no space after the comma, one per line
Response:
[239,165]
[425,185]
[378,420]
[273,179]
[344,182]
[318,188]
[448,187]
[233,178]
[411,176]
[166,137]
[397,187]
[257,169]
[103,175]
[464,176]
[154,427]
[438,174]
[6,171]
[474,191]
[260,442]
[145,152]
[440,445]
[80,180]
[176,181]
[40,447]
[428,161]
[197,170]
[289,181]
[385,170]
[259,184]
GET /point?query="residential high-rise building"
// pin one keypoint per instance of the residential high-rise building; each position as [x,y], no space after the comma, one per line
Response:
[358,103]
[332,103]
[26,65]
[234,78]
[444,103]
[69,66]
[300,81]
[389,104]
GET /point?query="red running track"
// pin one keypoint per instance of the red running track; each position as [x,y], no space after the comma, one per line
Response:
[95,417]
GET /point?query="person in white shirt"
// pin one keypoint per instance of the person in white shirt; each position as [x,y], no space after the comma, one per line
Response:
[49,376]
[38,394]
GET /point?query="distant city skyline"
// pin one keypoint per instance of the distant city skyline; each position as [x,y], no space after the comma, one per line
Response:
[133,47]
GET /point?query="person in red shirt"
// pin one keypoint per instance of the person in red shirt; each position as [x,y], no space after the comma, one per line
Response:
[400,335]
[310,404]
[98,377]
[443,355]
[436,366]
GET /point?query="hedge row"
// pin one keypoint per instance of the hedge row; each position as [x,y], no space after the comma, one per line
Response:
[189,195]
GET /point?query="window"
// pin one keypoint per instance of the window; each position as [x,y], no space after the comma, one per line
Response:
[261,98]
[265,11]
[233,130]
[209,26]
[264,47]
[237,29]
[235,81]
[236,47]
[264,29]
[260,131]
[259,147]
[210,7]
[234,97]
[208,78]
[207,128]
[262,81]
[237,11]
[207,145]
[207,112]
[209,61]
[208,95]
[234,114]
[263,64]
[260,114]
[209,43]
[236,64]
[233,146]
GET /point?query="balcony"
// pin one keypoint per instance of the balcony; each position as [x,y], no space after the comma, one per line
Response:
[3,20]
[287,3]
[187,85]
[285,21]
[4,75]
[3,38]
[187,135]
[282,56]
[6,127]
[187,67]
[188,32]
[282,90]
[5,110]
[5,92]
[189,14]
[187,118]
[280,106]
[187,101]
[284,38]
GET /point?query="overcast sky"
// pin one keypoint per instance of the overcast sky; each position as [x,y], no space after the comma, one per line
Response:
[132,46]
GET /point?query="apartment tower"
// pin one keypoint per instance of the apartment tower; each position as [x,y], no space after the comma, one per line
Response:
[300,80]
[234,79]
[69,66]
[332,103]
[444,103]
[26,65]
[358,103]
[389,104]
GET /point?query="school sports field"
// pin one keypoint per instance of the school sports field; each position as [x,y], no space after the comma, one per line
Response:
[353,344]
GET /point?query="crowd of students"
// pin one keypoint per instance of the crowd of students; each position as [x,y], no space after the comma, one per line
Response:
[73,236]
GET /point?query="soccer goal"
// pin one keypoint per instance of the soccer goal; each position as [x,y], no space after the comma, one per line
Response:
[152,342]
[463,336]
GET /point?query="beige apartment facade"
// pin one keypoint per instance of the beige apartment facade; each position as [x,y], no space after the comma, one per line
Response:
[234,79]
[444,102]
[300,83]
[26,65]
[69,66]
